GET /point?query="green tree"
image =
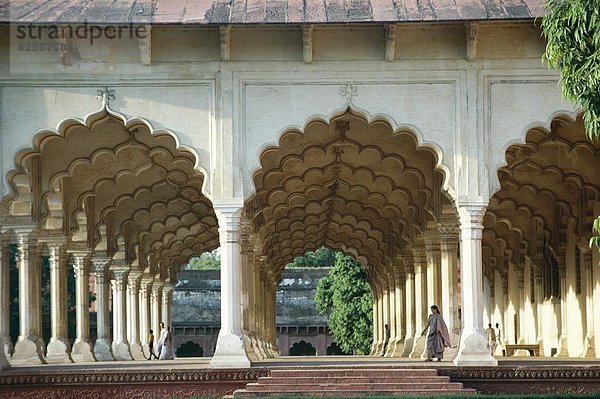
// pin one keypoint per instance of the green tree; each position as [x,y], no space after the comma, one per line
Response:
[322,257]
[206,261]
[346,297]
[572,30]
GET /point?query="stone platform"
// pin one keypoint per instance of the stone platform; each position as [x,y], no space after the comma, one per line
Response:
[184,378]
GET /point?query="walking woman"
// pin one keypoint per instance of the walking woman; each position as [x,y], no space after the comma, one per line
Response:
[438,338]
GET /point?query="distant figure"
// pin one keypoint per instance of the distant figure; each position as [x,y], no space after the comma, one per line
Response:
[386,339]
[492,340]
[161,338]
[438,338]
[499,340]
[151,345]
[167,347]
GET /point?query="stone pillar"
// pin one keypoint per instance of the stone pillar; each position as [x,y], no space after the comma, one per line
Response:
[133,319]
[473,349]
[587,289]
[449,239]
[5,341]
[230,351]
[120,344]
[167,304]
[82,348]
[391,313]
[102,347]
[420,265]
[432,252]
[561,310]
[145,314]
[539,306]
[409,293]
[399,308]
[378,321]
[27,348]
[385,315]
[155,309]
[59,347]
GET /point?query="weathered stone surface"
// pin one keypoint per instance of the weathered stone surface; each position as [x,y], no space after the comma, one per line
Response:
[266,11]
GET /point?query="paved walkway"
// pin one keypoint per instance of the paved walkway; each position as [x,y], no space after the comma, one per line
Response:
[288,361]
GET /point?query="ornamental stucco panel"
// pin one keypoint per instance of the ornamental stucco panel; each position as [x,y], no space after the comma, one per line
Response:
[186,109]
[512,106]
[427,108]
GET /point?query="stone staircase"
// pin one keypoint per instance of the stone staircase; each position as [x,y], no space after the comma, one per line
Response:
[344,382]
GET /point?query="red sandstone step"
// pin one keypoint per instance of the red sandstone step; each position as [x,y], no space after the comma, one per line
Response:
[348,379]
[242,393]
[397,386]
[398,373]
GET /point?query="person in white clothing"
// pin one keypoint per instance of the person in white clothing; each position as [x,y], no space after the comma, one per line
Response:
[167,345]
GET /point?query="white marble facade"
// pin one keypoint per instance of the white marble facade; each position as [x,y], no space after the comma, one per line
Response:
[199,147]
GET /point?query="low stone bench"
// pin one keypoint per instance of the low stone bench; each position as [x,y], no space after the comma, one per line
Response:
[533,349]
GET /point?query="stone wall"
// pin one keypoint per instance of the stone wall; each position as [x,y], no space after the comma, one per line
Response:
[197,307]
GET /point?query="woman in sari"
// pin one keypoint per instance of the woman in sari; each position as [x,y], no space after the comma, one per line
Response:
[438,338]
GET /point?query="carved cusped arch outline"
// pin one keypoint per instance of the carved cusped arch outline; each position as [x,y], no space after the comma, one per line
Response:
[126,161]
[349,182]
[550,177]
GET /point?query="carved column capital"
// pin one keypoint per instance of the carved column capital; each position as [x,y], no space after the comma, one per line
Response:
[471,221]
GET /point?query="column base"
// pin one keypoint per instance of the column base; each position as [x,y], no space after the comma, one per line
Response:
[418,350]
[252,354]
[474,351]
[137,353]
[58,351]
[230,352]
[378,348]
[4,364]
[450,353]
[563,349]
[398,349]
[408,345]
[103,351]
[82,351]
[7,344]
[27,351]
[589,349]
[121,351]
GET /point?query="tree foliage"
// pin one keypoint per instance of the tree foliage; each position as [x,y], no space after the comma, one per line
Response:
[572,30]
[322,257]
[346,297]
[206,261]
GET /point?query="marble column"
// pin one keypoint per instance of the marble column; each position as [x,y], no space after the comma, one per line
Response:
[5,340]
[539,306]
[27,348]
[120,344]
[409,295]
[391,313]
[449,239]
[587,289]
[59,347]
[82,348]
[145,314]
[420,266]
[432,252]
[385,314]
[103,344]
[155,308]
[473,349]
[561,310]
[166,304]
[230,351]
[399,308]
[133,319]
